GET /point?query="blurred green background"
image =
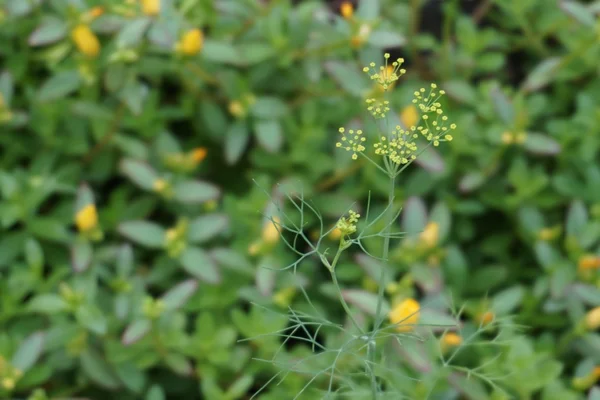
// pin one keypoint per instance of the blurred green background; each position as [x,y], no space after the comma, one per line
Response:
[141,143]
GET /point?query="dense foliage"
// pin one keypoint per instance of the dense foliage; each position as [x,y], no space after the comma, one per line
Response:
[146,143]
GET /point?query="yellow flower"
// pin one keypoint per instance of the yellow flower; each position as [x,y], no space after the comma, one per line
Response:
[409,116]
[430,234]
[199,154]
[254,248]
[159,185]
[85,40]
[270,233]
[451,339]
[592,319]
[191,42]
[546,234]
[86,219]
[507,137]
[589,262]
[405,315]
[150,7]
[347,9]
[96,12]
[486,318]
[237,109]
[335,234]
[8,383]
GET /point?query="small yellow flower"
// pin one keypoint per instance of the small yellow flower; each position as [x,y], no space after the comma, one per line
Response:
[199,154]
[8,383]
[589,262]
[96,12]
[159,185]
[451,339]
[405,315]
[486,318]
[150,7]
[255,248]
[86,219]
[270,233]
[283,298]
[430,235]
[237,109]
[409,116]
[507,137]
[592,319]
[191,42]
[347,10]
[392,288]
[85,40]
[335,234]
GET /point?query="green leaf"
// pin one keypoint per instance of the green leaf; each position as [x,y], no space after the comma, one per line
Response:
[155,393]
[348,77]
[414,216]
[59,85]
[142,232]
[577,218]
[47,304]
[382,39]
[195,192]
[461,91]
[231,259]
[542,74]
[90,316]
[539,143]
[471,181]
[431,161]
[220,52]
[49,229]
[51,30]
[254,53]
[177,296]
[133,378]
[269,108]
[29,352]
[269,135]
[81,255]
[588,294]
[199,264]
[85,196]
[440,214]
[134,95]
[508,300]
[124,261]
[133,32]
[34,255]
[139,172]
[579,12]
[135,331]
[98,370]
[206,227]
[503,105]
[236,141]
[179,364]
[365,301]
[240,387]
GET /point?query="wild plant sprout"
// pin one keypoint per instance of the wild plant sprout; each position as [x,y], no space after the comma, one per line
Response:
[369,358]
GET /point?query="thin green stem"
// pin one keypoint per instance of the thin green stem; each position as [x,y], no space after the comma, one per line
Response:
[339,290]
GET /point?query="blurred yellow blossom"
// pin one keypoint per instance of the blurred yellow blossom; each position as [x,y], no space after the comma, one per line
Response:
[150,7]
[86,219]
[430,235]
[270,233]
[485,318]
[199,154]
[96,12]
[335,234]
[85,40]
[451,339]
[191,42]
[159,185]
[589,262]
[409,116]
[405,315]
[347,9]
[592,319]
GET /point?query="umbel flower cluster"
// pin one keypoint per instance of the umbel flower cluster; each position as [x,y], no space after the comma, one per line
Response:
[402,144]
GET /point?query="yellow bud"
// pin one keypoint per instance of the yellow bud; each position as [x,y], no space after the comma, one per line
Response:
[254,248]
[237,109]
[347,9]
[270,233]
[451,339]
[8,383]
[592,319]
[85,40]
[430,234]
[86,219]
[171,235]
[409,116]
[589,262]
[391,288]
[199,154]
[335,234]
[150,7]
[191,42]
[159,185]
[546,234]
[96,12]
[405,315]
[507,138]
[486,318]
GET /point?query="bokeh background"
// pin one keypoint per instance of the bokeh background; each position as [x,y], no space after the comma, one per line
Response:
[142,142]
